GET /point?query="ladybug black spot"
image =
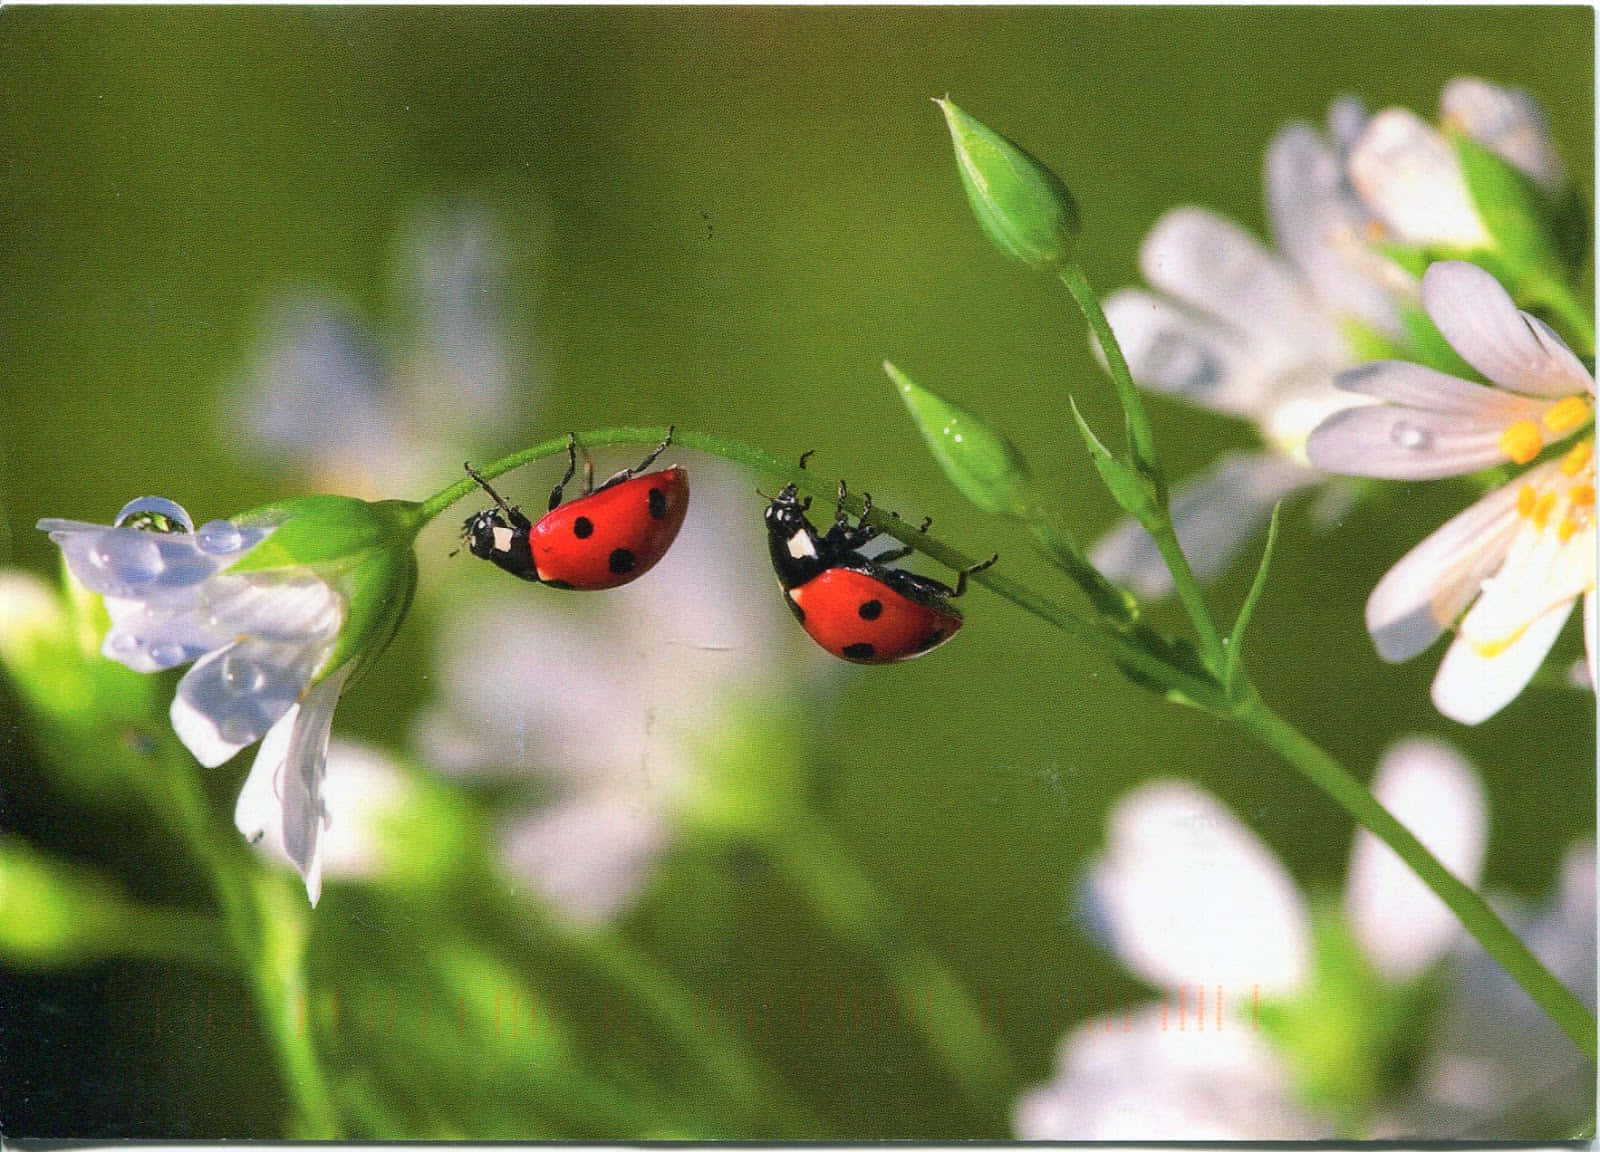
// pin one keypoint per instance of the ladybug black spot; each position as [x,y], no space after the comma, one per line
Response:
[583,528]
[658,503]
[870,610]
[859,651]
[621,561]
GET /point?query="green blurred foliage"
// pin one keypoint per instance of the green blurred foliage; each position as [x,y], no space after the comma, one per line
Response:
[733,216]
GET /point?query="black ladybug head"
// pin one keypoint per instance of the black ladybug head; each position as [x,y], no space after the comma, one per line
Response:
[478,533]
[795,546]
[786,513]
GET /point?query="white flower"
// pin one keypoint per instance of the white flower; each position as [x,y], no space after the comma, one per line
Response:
[258,604]
[1408,174]
[1255,334]
[605,699]
[1189,899]
[1516,561]
[324,394]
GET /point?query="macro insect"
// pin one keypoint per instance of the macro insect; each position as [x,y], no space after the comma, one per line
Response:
[605,538]
[853,605]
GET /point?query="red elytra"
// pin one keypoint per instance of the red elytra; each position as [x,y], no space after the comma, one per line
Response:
[858,617]
[613,536]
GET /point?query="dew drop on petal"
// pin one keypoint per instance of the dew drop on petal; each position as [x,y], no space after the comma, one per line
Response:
[242,675]
[218,537]
[121,644]
[1410,436]
[169,655]
[154,514]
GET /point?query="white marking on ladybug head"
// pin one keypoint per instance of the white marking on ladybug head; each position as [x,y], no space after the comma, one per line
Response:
[502,539]
[800,545]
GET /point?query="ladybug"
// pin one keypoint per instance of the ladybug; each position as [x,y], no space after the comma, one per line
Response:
[607,537]
[852,604]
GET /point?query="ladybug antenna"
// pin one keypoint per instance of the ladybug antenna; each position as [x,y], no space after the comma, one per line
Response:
[484,484]
[961,577]
[806,455]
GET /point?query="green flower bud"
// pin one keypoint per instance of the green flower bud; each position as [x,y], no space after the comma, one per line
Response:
[984,465]
[1023,206]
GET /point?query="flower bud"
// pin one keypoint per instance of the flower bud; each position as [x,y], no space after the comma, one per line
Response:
[1023,206]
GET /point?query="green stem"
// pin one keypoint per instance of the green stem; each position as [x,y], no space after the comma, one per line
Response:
[935,1002]
[1142,442]
[1474,913]
[1115,604]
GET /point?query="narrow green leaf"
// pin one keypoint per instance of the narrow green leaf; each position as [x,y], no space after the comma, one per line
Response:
[1231,671]
[1130,490]
[1023,206]
[1513,209]
[984,465]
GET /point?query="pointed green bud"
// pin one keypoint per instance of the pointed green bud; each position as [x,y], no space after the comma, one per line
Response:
[984,465]
[1023,206]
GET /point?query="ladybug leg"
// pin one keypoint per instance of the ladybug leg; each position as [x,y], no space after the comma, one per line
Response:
[902,553]
[841,533]
[961,577]
[513,514]
[572,466]
[630,473]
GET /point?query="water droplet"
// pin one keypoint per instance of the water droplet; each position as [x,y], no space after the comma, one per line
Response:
[168,655]
[241,674]
[122,643]
[128,560]
[218,538]
[1411,437]
[154,514]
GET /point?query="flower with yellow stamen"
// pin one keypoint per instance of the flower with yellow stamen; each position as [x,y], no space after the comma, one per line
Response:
[1506,572]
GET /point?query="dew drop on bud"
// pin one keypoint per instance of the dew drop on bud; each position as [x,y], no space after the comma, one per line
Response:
[218,538]
[154,514]
[1410,437]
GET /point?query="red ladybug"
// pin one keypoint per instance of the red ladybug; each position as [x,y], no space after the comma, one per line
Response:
[605,538]
[852,604]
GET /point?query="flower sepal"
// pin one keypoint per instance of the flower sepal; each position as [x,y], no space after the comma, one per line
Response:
[1518,216]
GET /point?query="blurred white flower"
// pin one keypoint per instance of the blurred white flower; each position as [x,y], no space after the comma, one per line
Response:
[605,698]
[1190,900]
[1408,175]
[1238,328]
[262,628]
[1522,555]
[323,394]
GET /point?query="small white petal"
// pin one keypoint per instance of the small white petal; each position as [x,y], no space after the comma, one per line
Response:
[1507,121]
[1409,177]
[132,563]
[232,696]
[1199,360]
[1435,793]
[1347,119]
[1471,687]
[1432,584]
[1187,894]
[1482,323]
[1395,443]
[1216,514]
[1418,386]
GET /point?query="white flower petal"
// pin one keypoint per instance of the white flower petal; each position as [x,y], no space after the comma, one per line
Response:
[1214,266]
[1187,894]
[1432,584]
[1138,1077]
[1216,514]
[284,790]
[133,563]
[1201,361]
[1409,177]
[1471,687]
[232,696]
[1317,223]
[1435,793]
[1347,119]
[1507,121]
[1418,386]
[1395,443]
[1482,323]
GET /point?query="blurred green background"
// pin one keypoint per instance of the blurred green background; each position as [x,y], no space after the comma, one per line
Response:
[730,217]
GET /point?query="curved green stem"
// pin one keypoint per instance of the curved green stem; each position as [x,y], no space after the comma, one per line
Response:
[1305,757]
[1142,442]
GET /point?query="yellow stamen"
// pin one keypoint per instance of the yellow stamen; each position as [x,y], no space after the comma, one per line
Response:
[1577,456]
[1489,649]
[1521,442]
[1581,494]
[1566,414]
[1526,498]
[1566,529]
[1542,510]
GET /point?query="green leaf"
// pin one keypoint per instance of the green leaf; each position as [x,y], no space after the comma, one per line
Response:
[984,465]
[1429,347]
[1023,206]
[1230,672]
[1513,209]
[1128,488]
